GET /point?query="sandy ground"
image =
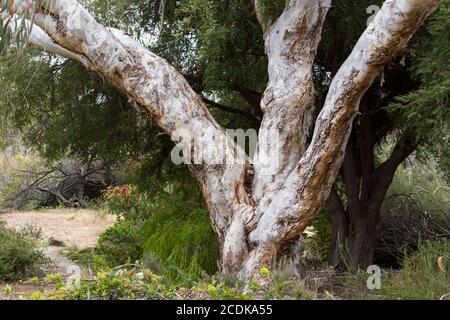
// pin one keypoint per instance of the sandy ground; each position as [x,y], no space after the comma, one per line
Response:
[75,228]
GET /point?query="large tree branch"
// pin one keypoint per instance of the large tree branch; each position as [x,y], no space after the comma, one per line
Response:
[384,174]
[288,102]
[289,211]
[228,109]
[252,97]
[160,91]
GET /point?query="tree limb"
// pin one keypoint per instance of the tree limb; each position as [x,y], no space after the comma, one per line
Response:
[286,214]
[158,90]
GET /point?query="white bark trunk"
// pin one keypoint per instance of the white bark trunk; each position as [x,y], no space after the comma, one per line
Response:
[253,226]
[288,102]
[285,214]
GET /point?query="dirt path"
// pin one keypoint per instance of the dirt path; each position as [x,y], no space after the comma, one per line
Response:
[72,228]
[76,228]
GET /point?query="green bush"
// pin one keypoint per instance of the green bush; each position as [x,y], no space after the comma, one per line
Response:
[319,237]
[19,257]
[183,241]
[120,244]
[421,277]
[127,203]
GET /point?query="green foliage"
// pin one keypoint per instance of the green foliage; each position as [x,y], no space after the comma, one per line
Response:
[19,256]
[127,203]
[427,108]
[346,21]
[164,230]
[271,9]
[120,244]
[319,237]
[123,283]
[183,240]
[13,30]
[423,183]
[64,111]
[419,278]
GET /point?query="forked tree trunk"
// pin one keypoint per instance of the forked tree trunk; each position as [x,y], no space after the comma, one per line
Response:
[354,232]
[355,225]
[257,212]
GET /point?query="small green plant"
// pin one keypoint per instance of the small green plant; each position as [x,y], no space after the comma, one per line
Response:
[120,244]
[264,272]
[19,256]
[220,291]
[37,296]
[35,280]
[53,278]
[8,291]
[183,241]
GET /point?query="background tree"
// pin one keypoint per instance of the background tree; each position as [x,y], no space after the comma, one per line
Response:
[408,108]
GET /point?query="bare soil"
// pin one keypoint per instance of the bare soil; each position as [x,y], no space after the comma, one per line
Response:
[72,228]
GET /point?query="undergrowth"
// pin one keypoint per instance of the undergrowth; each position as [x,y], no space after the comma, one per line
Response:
[19,255]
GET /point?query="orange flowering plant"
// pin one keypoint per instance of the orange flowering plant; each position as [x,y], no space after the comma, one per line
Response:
[126,202]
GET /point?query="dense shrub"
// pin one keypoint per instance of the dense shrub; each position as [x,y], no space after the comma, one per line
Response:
[183,241]
[416,209]
[166,230]
[120,244]
[423,275]
[127,203]
[19,256]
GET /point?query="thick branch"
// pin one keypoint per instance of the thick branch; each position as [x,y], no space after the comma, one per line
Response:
[161,92]
[289,211]
[288,102]
[228,109]
[384,174]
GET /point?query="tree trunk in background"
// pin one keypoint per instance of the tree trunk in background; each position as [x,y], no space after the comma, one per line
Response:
[80,192]
[257,213]
[354,226]
[340,224]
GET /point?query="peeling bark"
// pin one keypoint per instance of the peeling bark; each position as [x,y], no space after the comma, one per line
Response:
[288,102]
[254,225]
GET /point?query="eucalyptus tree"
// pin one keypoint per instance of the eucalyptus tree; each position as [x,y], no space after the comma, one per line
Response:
[257,210]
